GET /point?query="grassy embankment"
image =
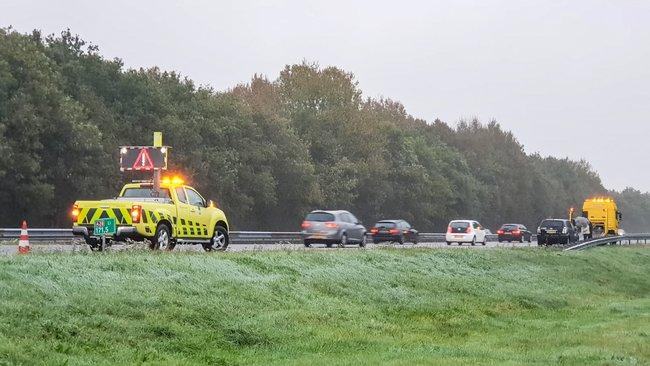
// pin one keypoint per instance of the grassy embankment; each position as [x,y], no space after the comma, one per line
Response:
[328,307]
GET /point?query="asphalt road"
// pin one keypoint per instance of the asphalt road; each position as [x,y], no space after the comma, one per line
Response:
[12,248]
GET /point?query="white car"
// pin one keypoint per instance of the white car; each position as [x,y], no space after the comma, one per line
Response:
[465,231]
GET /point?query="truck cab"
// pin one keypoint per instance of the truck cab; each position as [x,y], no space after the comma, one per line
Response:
[603,214]
[173,213]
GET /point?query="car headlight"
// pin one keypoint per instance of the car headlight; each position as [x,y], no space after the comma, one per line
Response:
[564,230]
[539,230]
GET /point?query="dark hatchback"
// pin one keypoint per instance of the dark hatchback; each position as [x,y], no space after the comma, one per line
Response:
[398,231]
[514,232]
[556,231]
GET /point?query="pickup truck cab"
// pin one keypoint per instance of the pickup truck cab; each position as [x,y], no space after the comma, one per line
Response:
[172,214]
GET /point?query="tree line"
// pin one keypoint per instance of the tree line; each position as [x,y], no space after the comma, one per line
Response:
[267,151]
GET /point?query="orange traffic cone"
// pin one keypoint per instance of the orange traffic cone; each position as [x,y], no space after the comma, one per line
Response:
[23,243]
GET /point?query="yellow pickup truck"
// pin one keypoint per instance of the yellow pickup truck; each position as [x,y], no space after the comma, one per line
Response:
[172,214]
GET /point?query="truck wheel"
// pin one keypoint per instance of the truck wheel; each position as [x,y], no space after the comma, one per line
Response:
[163,239]
[94,244]
[219,241]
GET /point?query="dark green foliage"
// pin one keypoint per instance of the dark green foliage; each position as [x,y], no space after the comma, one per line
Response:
[267,151]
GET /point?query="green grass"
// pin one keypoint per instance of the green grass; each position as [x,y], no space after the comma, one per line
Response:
[400,307]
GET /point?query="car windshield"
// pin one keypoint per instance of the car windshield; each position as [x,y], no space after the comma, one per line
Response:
[146,193]
[320,216]
[554,224]
[459,225]
[386,224]
[509,227]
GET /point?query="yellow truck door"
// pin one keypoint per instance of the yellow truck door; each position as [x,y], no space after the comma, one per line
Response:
[200,216]
[184,216]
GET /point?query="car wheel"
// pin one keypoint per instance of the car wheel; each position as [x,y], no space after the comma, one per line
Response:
[415,240]
[344,240]
[163,239]
[448,243]
[530,238]
[307,243]
[521,239]
[362,243]
[219,241]
[375,241]
[474,241]
[401,240]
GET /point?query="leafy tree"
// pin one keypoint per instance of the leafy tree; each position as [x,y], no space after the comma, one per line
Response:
[267,151]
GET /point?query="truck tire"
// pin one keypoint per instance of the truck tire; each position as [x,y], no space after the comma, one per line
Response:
[163,239]
[94,244]
[219,241]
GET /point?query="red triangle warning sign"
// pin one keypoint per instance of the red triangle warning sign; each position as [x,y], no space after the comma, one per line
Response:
[143,161]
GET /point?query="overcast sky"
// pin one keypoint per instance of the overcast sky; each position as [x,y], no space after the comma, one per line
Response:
[569,78]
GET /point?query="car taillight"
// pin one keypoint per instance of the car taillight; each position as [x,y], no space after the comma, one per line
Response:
[393,231]
[449,229]
[499,231]
[331,225]
[136,213]
[516,232]
[374,230]
[75,212]
[305,224]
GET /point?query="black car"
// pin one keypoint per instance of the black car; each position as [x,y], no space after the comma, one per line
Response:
[398,231]
[514,232]
[554,231]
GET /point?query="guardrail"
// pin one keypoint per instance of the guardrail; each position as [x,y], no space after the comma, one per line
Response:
[38,234]
[236,237]
[611,240]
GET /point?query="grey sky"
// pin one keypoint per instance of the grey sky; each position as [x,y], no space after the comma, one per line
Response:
[569,78]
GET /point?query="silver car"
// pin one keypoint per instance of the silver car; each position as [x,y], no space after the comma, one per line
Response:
[333,227]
